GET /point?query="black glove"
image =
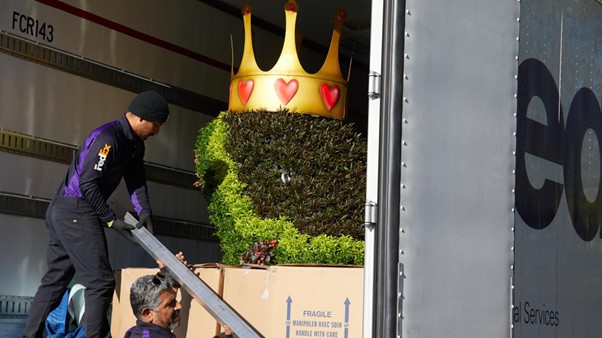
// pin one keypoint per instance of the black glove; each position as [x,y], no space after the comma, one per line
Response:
[145,221]
[123,229]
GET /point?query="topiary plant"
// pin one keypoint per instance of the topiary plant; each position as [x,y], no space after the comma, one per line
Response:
[293,178]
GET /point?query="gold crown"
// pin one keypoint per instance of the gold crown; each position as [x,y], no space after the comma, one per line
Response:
[287,84]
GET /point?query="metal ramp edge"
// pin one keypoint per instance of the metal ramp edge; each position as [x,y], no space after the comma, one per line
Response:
[211,301]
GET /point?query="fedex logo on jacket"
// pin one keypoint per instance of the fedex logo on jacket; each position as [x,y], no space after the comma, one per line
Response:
[102,157]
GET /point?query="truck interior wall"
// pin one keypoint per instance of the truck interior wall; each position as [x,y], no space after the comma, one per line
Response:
[185,45]
[125,255]
[36,177]
[63,108]
[58,106]
[29,176]
[178,46]
[23,247]
[154,39]
[23,253]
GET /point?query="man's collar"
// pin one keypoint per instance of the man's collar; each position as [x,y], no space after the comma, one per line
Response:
[152,327]
[127,129]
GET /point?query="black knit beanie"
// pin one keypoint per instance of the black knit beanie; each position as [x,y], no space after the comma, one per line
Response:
[150,106]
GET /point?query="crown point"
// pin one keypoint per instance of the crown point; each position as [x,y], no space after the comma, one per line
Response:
[341,14]
[291,6]
[246,9]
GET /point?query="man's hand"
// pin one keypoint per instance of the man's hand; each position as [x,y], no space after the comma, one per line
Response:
[145,221]
[123,229]
[179,256]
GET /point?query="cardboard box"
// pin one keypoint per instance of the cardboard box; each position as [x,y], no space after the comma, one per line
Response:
[195,322]
[298,301]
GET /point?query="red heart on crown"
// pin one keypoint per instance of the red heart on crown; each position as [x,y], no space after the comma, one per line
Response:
[286,91]
[330,96]
[245,88]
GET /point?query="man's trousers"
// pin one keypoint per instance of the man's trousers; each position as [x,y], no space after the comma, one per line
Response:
[77,246]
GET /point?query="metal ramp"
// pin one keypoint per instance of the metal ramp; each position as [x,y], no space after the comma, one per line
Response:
[211,301]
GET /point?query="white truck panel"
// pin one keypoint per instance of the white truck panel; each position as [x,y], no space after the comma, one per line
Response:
[456,213]
[558,244]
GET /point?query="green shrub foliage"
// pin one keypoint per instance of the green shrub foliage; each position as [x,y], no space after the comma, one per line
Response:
[293,178]
[310,170]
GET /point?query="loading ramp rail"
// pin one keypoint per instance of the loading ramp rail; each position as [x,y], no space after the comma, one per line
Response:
[211,301]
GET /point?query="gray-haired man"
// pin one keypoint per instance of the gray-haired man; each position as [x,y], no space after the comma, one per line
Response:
[153,300]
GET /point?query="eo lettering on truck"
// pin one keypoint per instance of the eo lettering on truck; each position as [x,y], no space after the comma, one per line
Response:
[102,157]
[562,144]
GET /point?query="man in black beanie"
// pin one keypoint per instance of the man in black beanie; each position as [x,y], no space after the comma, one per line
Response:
[78,213]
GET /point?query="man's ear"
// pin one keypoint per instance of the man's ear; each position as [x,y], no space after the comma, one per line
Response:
[146,314]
